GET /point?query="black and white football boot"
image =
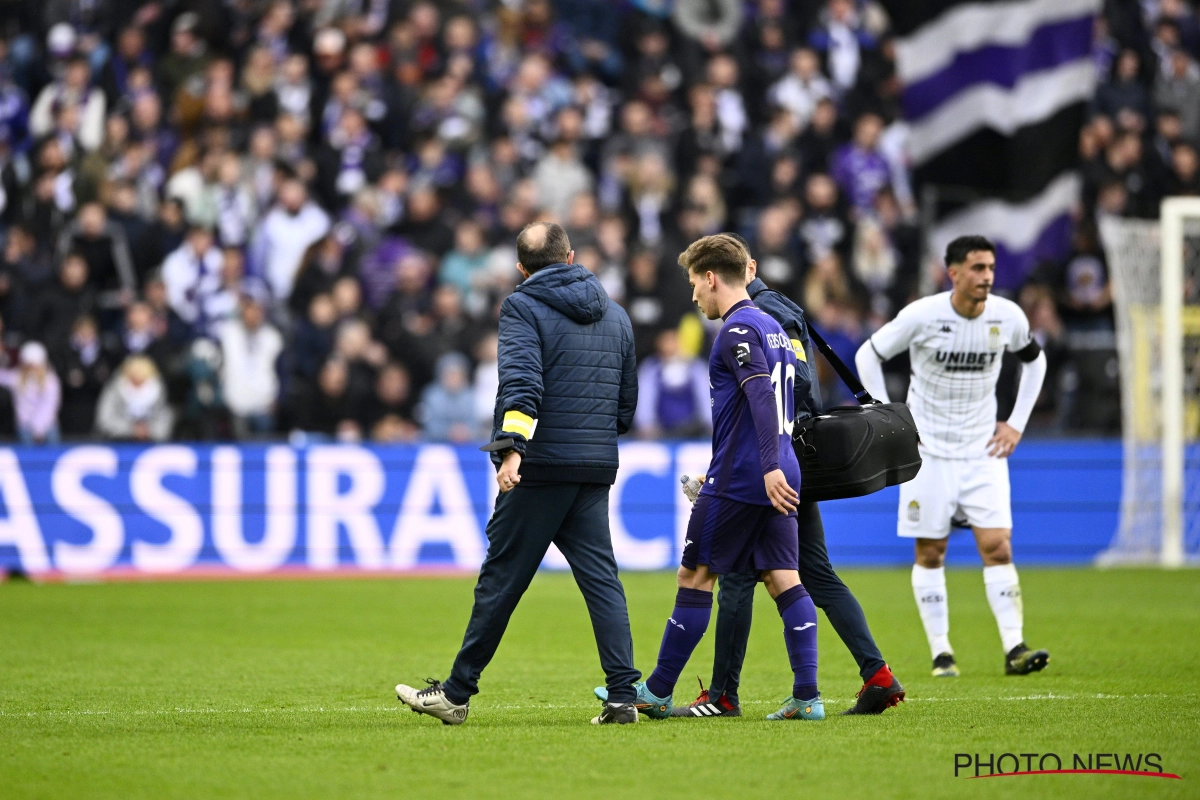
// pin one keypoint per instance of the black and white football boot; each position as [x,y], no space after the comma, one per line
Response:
[1022,661]
[704,707]
[616,714]
[944,666]
[433,701]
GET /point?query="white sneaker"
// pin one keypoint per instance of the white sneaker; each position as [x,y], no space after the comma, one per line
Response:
[433,701]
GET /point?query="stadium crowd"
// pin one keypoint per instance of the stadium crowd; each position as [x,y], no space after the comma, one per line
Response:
[256,218]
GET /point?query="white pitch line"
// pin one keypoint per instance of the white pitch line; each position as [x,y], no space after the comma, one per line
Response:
[397,708]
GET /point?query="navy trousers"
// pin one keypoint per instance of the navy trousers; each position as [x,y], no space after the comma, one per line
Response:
[736,608]
[574,516]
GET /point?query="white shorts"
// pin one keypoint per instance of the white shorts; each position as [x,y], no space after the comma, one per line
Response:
[945,488]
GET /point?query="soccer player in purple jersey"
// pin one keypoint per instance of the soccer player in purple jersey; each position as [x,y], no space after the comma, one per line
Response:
[745,516]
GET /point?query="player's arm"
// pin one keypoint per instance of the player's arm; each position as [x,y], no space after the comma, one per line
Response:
[744,356]
[1033,373]
[886,343]
[520,392]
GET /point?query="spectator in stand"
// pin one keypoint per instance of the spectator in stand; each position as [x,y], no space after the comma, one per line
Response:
[859,168]
[460,266]
[313,339]
[843,40]
[447,408]
[192,274]
[1185,170]
[75,91]
[1124,92]
[329,409]
[673,394]
[390,414]
[133,406]
[250,348]
[85,365]
[802,88]
[487,380]
[36,394]
[283,236]
[102,243]
[143,334]
[1179,90]
[62,302]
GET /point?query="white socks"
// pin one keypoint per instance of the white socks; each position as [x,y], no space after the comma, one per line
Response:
[929,589]
[1004,596]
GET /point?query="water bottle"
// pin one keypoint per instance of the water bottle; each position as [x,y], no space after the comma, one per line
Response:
[691,487]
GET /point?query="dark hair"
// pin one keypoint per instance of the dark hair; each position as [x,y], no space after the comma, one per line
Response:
[720,253]
[957,250]
[553,248]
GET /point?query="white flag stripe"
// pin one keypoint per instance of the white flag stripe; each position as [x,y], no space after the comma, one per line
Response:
[1033,99]
[1016,226]
[933,46]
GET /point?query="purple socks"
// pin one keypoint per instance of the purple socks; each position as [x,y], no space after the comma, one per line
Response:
[800,633]
[684,631]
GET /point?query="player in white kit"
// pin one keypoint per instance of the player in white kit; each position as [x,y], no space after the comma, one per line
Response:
[956,341]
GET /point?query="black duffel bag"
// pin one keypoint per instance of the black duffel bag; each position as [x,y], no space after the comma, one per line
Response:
[851,451]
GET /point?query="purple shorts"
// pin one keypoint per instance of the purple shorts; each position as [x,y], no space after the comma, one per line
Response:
[729,537]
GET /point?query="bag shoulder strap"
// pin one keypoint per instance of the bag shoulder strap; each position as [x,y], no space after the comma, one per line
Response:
[861,394]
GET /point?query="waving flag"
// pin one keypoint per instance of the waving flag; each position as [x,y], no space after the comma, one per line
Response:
[995,94]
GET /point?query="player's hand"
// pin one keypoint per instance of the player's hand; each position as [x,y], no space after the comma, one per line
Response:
[507,476]
[782,496]
[1004,441]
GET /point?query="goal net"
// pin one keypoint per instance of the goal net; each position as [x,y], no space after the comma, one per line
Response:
[1155,274]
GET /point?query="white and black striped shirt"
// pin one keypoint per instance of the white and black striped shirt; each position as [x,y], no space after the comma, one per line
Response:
[955,365]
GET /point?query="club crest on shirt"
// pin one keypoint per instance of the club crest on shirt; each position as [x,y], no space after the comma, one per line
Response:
[914,511]
[741,352]
[994,337]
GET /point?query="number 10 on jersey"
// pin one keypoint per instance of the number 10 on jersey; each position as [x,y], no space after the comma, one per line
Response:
[785,396]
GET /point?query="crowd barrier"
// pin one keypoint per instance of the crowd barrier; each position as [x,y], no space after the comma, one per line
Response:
[180,509]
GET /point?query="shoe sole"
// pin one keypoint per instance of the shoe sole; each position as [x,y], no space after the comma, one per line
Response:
[946,673]
[1036,663]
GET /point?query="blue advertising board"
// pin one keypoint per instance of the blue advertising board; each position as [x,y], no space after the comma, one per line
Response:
[168,509]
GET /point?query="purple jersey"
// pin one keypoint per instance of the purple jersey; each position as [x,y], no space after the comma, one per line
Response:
[751,375]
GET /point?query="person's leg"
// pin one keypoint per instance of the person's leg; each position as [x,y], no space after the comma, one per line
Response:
[799,615]
[986,504]
[1001,583]
[586,543]
[927,504]
[685,628]
[831,595]
[524,523]
[735,613]
[929,590]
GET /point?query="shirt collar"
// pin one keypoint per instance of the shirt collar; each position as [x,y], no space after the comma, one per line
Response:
[747,303]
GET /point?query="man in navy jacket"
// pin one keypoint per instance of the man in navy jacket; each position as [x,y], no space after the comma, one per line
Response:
[568,388]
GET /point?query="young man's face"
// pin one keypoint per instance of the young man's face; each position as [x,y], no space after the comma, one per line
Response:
[973,278]
[704,292]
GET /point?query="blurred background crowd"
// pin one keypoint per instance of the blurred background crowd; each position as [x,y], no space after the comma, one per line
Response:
[229,219]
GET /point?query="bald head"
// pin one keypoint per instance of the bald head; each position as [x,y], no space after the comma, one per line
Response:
[541,244]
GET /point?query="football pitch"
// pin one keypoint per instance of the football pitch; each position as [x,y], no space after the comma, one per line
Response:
[284,688]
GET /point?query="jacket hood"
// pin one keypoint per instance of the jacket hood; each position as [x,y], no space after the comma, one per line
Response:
[569,289]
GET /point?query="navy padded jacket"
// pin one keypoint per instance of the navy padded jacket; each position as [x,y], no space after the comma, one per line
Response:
[566,361]
[791,318]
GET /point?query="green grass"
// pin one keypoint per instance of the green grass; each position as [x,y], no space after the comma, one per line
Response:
[284,688]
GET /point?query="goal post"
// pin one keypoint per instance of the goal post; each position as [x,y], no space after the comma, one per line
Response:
[1154,268]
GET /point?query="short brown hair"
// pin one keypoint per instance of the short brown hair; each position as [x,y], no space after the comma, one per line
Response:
[720,253]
